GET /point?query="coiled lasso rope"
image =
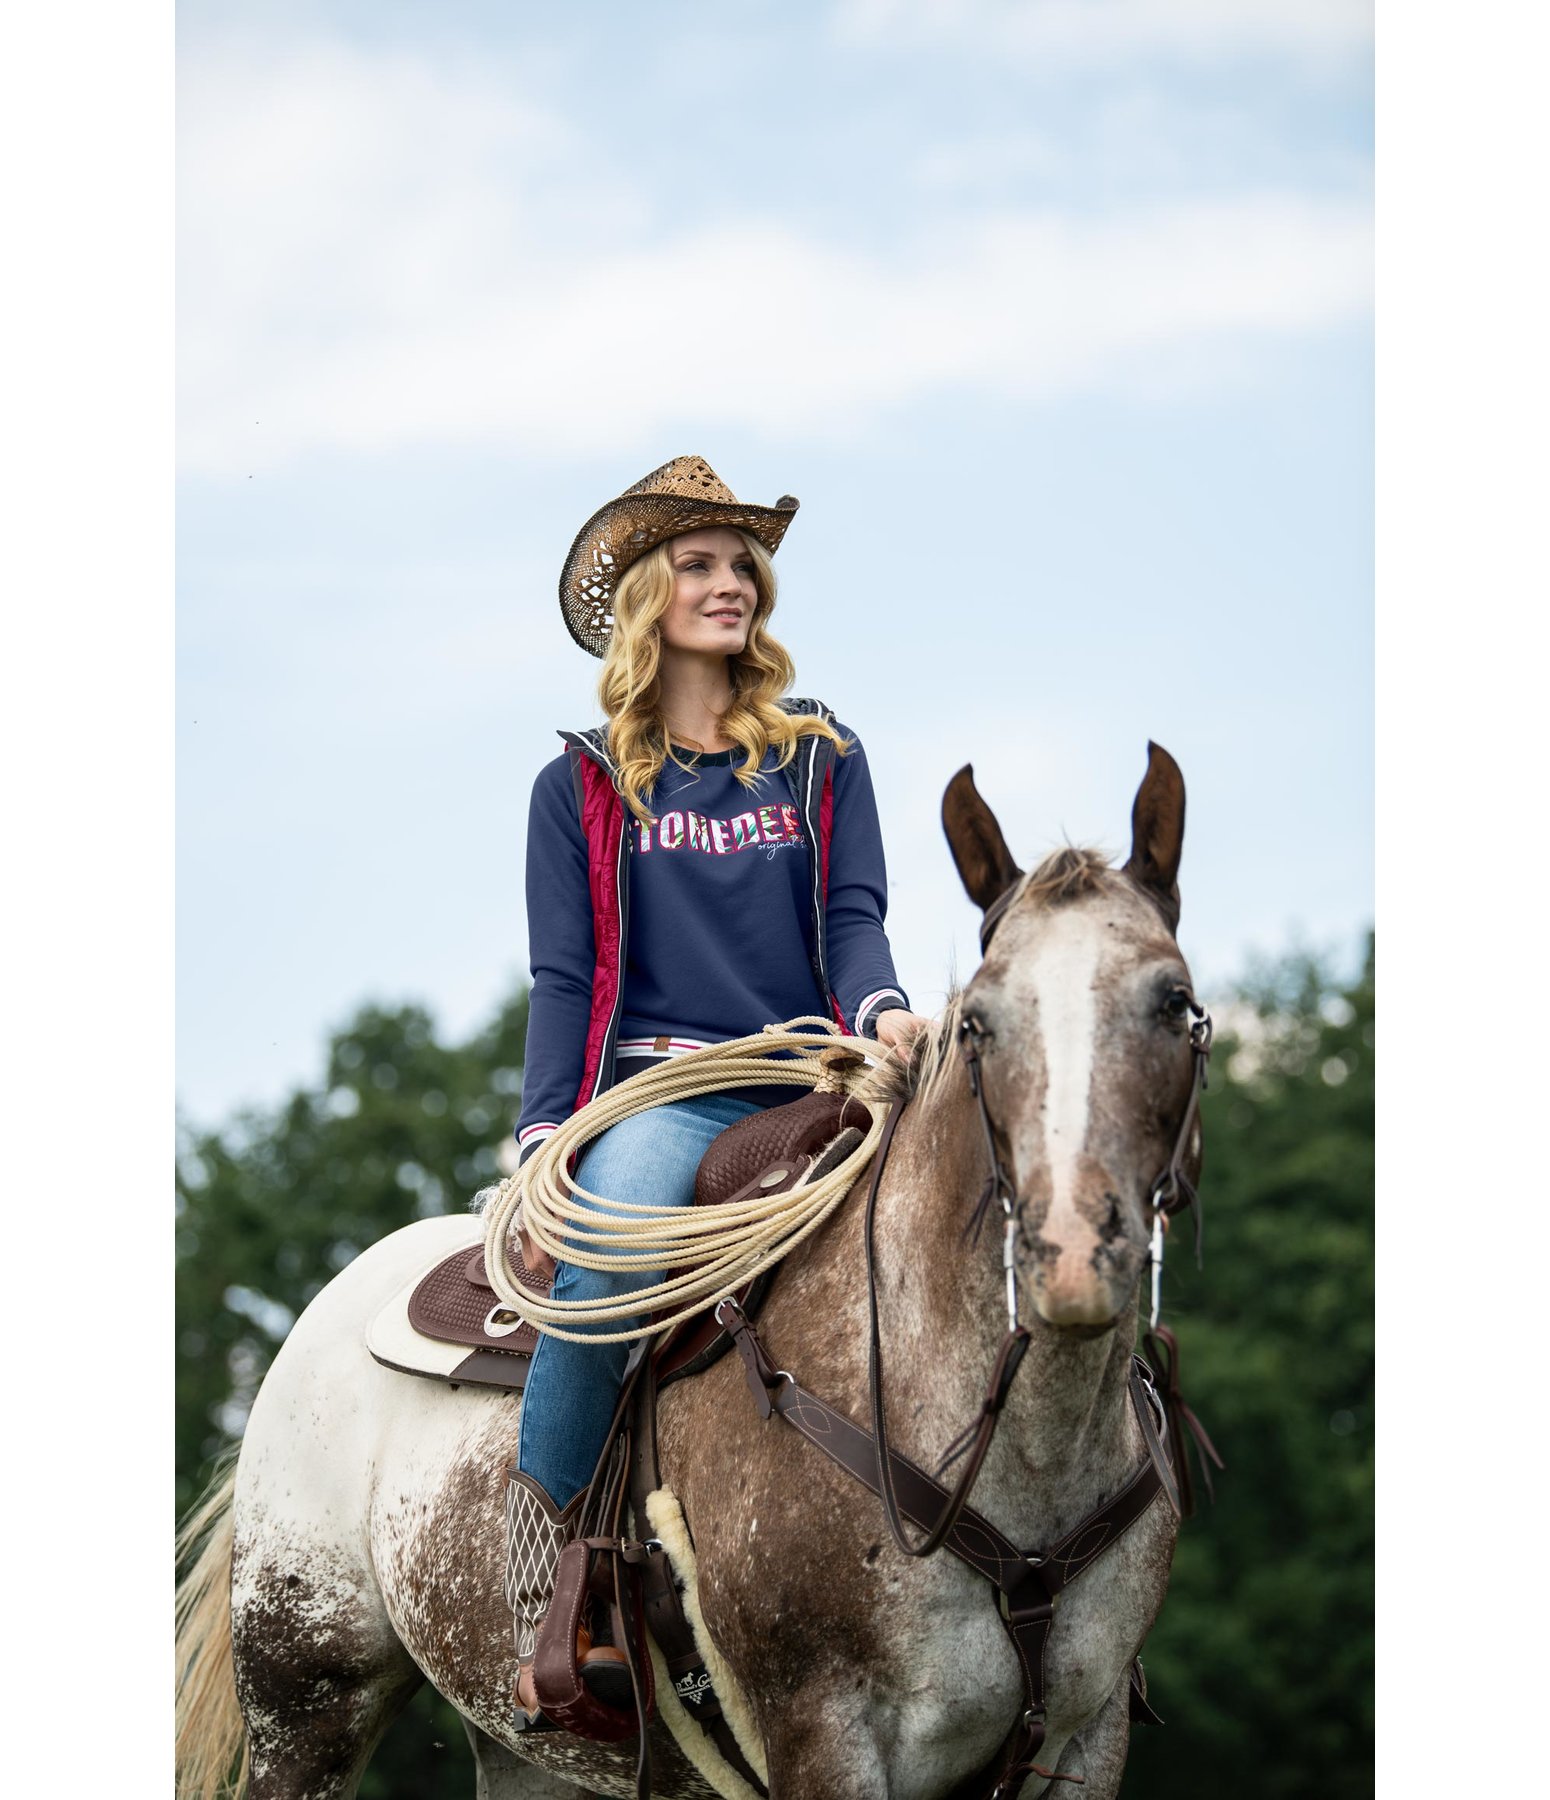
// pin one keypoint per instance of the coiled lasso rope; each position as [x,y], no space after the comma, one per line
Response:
[716,1248]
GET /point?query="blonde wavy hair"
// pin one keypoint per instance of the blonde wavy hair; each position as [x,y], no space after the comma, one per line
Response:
[630,689]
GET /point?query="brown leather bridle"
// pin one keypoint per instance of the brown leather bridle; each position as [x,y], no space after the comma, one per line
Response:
[1170,1192]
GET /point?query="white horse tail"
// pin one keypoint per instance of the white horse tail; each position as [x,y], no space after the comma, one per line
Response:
[210,1737]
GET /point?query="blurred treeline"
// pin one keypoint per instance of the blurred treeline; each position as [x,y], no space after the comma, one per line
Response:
[1262,1660]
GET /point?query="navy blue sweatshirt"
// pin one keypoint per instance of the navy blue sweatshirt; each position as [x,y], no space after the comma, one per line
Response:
[720,922]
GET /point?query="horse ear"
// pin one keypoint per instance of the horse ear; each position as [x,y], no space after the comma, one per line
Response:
[1157,831]
[975,839]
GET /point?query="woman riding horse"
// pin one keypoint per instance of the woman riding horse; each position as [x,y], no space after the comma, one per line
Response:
[707,862]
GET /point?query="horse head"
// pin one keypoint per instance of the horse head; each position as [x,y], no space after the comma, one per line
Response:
[1081,1012]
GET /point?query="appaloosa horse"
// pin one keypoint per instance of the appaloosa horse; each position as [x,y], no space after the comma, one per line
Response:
[365,1534]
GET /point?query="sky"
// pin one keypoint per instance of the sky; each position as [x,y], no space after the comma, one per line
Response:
[1055,315]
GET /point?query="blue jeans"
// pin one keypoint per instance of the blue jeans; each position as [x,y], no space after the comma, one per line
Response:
[649,1159]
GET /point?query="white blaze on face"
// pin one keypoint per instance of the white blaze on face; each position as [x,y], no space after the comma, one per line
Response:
[1064,990]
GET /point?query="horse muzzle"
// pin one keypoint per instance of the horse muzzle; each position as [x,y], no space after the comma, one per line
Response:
[1086,1261]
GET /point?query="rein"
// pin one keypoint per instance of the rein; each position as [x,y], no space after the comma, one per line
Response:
[1009,1357]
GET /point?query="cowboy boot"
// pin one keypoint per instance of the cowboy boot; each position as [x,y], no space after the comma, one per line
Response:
[536,1533]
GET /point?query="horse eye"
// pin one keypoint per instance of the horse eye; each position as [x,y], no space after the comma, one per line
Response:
[1177,1003]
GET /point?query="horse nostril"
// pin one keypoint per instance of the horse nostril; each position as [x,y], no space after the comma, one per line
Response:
[1113,1221]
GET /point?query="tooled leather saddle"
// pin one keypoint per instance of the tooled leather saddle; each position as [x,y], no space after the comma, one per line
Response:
[767,1153]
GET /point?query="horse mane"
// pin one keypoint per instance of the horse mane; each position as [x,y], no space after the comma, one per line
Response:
[898,1078]
[1065,874]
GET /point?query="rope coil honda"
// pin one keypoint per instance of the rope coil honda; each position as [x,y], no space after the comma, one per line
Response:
[716,1249]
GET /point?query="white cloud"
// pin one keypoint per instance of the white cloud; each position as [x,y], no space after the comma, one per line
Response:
[1064,34]
[377,251]
[1133,138]
[967,163]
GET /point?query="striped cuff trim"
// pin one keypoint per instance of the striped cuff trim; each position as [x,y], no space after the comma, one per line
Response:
[531,1133]
[871,1003]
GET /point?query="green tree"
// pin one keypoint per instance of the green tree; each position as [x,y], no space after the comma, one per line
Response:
[1262,1660]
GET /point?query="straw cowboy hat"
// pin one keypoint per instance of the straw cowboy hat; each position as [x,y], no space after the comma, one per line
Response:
[681,496]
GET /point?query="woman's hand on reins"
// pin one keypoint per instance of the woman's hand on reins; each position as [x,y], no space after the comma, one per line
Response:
[897,1028]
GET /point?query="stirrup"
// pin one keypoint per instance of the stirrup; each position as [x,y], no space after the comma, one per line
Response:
[605,1670]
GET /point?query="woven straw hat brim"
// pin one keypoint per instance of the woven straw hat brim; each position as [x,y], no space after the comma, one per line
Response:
[622,532]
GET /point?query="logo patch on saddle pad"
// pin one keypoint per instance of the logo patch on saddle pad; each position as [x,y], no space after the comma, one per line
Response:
[694,1686]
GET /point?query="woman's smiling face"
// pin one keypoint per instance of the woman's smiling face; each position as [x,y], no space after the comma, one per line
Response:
[714,593]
